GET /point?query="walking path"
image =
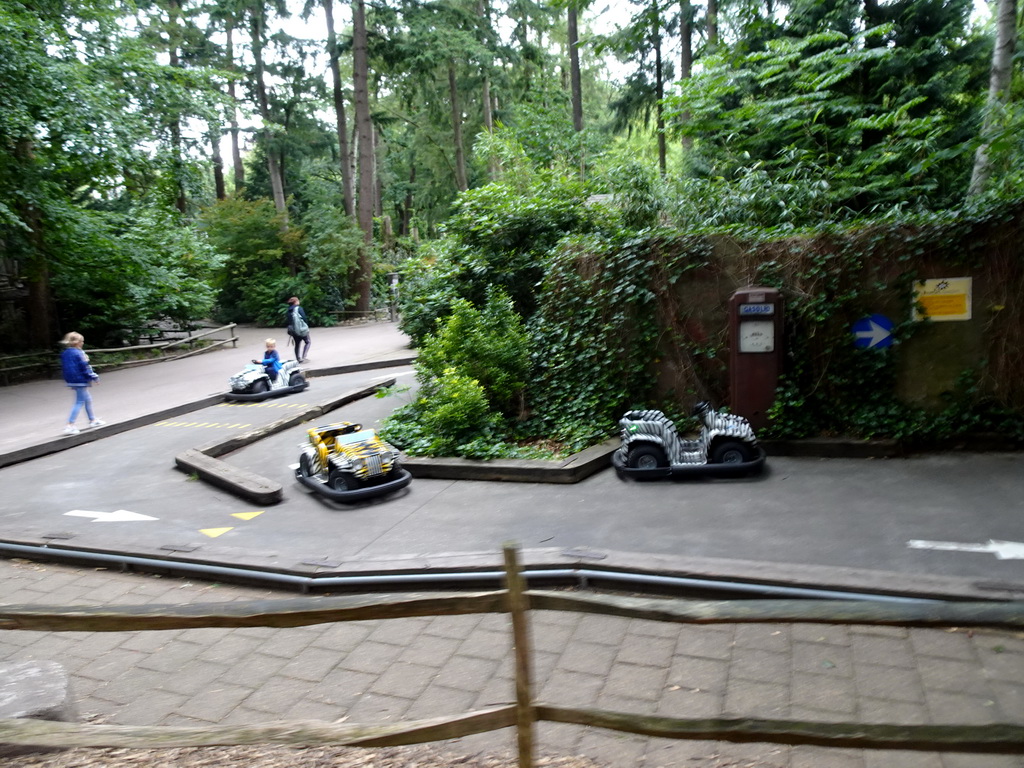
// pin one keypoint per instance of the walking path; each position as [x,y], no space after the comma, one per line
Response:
[384,671]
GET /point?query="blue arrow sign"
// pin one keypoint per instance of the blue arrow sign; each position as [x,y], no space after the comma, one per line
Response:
[873,332]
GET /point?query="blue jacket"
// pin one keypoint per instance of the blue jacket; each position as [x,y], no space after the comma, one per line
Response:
[271,362]
[76,368]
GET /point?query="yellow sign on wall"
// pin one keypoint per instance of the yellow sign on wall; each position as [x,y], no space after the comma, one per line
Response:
[943,299]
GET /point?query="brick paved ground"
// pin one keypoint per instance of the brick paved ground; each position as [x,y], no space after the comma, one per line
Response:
[411,668]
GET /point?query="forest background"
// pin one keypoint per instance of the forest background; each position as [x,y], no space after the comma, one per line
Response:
[172,160]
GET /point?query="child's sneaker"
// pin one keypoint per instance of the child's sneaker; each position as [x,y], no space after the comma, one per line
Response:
[97,423]
[70,429]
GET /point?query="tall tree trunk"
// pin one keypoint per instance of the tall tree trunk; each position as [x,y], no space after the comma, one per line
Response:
[273,167]
[574,71]
[686,56]
[659,92]
[339,110]
[218,162]
[173,45]
[712,21]
[406,226]
[364,128]
[236,152]
[41,310]
[460,156]
[1000,77]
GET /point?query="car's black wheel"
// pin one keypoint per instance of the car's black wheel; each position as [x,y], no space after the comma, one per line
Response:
[342,481]
[306,465]
[296,380]
[646,457]
[731,452]
[259,386]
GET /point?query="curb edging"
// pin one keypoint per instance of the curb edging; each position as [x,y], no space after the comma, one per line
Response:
[205,462]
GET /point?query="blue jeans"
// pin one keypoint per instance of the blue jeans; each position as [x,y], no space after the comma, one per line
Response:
[82,397]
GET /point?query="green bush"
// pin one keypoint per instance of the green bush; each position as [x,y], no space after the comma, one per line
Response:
[489,346]
[451,412]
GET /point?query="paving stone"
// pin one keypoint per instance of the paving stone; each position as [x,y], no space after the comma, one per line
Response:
[311,665]
[703,674]
[709,642]
[156,705]
[571,688]
[823,693]
[212,705]
[749,698]
[374,658]
[683,702]
[277,695]
[822,658]
[641,682]
[486,644]
[430,650]
[405,680]
[375,708]
[125,688]
[820,757]
[252,670]
[342,638]
[944,644]
[953,676]
[111,666]
[958,708]
[764,637]
[888,758]
[646,649]
[438,700]
[764,666]
[820,633]
[170,658]
[468,674]
[589,658]
[895,712]
[895,683]
[890,651]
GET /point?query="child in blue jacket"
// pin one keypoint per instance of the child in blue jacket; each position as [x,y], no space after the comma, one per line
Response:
[271,361]
[78,375]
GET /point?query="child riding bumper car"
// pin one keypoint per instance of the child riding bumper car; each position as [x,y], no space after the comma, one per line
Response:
[253,383]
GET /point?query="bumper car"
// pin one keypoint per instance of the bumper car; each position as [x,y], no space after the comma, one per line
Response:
[345,462]
[652,448]
[252,384]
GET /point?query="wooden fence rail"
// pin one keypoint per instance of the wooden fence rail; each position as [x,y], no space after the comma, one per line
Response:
[48,362]
[999,738]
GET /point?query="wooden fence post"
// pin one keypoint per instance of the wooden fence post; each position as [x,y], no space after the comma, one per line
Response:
[518,606]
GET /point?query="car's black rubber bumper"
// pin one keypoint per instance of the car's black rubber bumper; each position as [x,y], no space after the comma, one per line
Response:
[252,397]
[741,469]
[358,494]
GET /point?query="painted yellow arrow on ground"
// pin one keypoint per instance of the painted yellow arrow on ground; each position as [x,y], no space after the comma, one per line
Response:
[247,515]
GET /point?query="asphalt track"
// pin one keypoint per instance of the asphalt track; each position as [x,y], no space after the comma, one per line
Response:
[844,523]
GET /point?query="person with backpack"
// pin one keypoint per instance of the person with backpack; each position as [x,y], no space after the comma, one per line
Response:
[298,328]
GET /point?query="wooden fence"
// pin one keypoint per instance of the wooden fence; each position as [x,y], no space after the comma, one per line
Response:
[525,713]
[47,363]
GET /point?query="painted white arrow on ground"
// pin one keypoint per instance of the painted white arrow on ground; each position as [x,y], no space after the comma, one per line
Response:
[1003,550]
[118,516]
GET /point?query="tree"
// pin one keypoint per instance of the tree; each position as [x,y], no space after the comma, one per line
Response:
[338,98]
[364,129]
[998,89]
[257,32]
